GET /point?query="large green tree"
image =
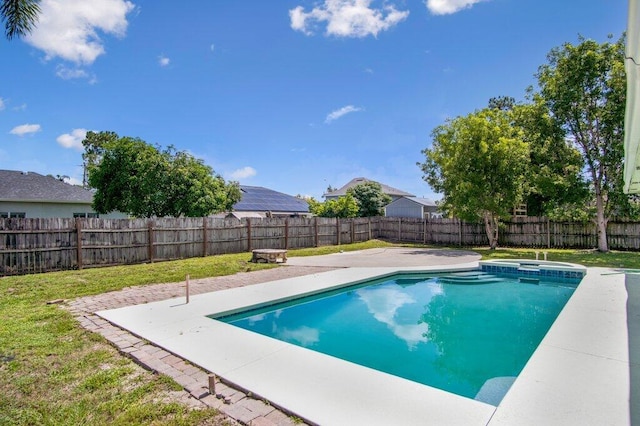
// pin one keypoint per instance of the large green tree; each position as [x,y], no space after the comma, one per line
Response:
[555,185]
[19,16]
[370,198]
[479,163]
[133,177]
[584,88]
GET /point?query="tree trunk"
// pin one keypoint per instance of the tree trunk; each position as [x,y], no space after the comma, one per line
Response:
[491,228]
[601,225]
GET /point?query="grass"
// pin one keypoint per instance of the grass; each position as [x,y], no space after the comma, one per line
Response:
[590,258]
[54,372]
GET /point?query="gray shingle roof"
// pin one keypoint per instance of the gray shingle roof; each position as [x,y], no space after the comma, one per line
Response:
[259,199]
[424,201]
[389,190]
[30,186]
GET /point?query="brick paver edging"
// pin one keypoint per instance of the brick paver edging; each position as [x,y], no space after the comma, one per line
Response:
[234,403]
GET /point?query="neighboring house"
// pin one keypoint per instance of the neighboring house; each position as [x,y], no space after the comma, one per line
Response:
[259,202]
[394,193]
[412,207]
[31,195]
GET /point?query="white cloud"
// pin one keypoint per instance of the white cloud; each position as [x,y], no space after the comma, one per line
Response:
[22,107]
[347,18]
[446,7]
[73,181]
[67,73]
[25,129]
[384,303]
[163,61]
[69,28]
[2,106]
[244,173]
[212,47]
[73,139]
[334,115]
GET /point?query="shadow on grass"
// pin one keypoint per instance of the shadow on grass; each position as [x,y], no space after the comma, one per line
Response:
[632,283]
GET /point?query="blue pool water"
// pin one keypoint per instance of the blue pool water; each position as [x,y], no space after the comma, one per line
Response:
[455,335]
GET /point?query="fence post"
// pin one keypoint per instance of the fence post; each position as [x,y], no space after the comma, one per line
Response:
[460,231]
[204,237]
[369,228]
[315,225]
[353,232]
[548,233]
[150,247]
[248,234]
[78,243]
[424,230]
[286,234]
[399,229]
[338,230]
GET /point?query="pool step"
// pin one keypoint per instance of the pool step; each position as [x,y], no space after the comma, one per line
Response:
[495,389]
[524,267]
[470,278]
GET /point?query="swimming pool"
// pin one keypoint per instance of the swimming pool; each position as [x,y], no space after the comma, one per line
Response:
[456,332]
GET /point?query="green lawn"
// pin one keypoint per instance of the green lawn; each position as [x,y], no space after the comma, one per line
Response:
[54,372]
[612,259]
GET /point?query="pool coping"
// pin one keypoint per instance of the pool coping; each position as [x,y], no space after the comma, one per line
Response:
[552,389]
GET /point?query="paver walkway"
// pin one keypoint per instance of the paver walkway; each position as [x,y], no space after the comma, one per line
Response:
[234,403]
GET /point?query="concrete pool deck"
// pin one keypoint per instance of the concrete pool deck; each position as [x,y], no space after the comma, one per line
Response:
[584,372]
[392,256]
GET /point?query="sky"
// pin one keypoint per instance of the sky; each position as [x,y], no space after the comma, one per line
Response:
[292,95]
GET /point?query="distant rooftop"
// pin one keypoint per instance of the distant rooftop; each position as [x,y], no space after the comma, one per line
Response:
[34,187]
[259,199]
[389,190]
[424,201]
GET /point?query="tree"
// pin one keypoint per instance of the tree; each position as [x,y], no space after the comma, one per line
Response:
[134,177]
[555,185]
[479,162]
[95,145]
[19,16]
[504,103]
[370,198]
[345,206]
[584,88]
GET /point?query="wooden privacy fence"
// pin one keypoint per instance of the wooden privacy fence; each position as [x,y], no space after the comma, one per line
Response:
[43,245]
[534,232]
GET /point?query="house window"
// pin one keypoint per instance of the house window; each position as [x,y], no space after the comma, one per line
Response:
[86,215]
[18,215]
[4,215]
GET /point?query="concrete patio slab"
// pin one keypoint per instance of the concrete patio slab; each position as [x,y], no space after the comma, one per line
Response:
[392,256]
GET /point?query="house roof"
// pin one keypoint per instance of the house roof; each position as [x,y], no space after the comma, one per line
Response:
[424,201]
[389,190]
[259,199]
[34,187]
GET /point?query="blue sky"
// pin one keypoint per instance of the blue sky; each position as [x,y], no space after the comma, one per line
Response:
[293,95]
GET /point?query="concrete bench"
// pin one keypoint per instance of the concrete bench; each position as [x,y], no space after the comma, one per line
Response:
[269,255]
